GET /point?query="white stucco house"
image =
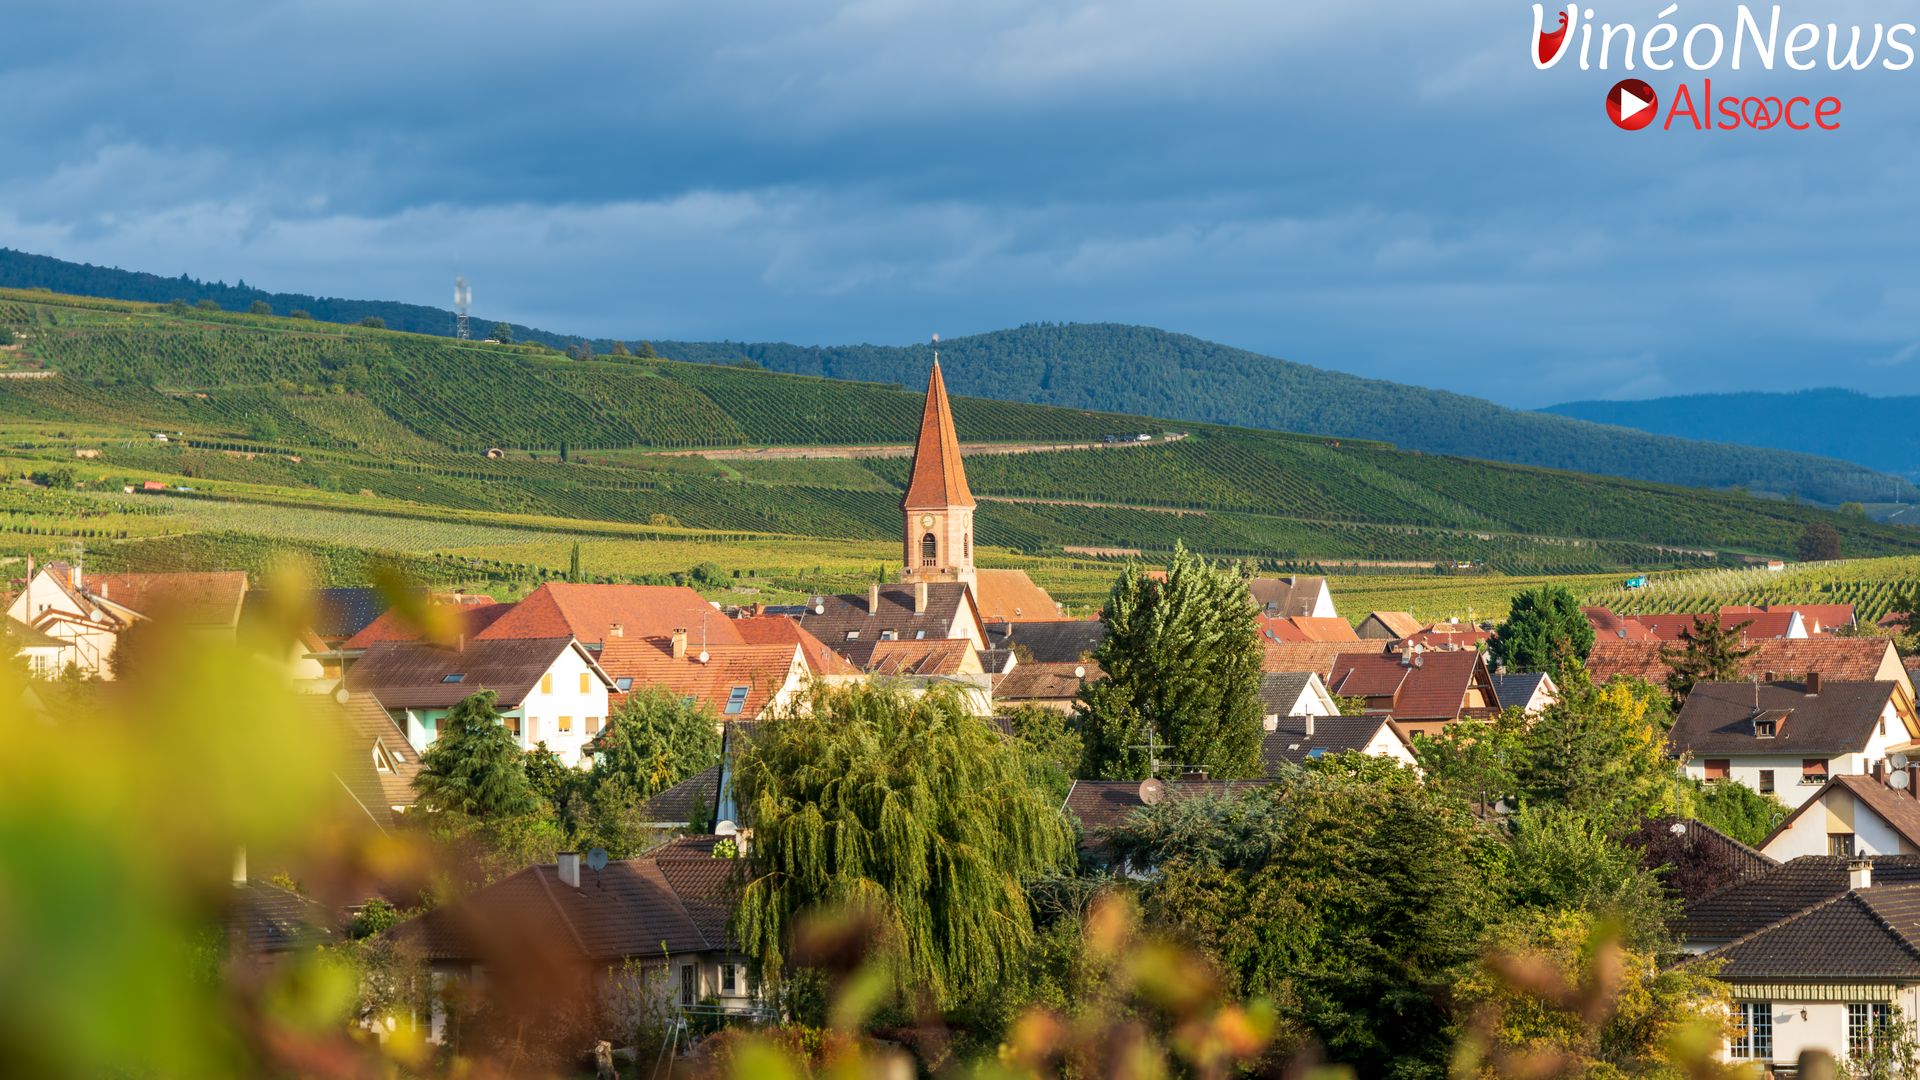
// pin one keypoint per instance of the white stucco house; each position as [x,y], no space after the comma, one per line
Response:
[1787,739]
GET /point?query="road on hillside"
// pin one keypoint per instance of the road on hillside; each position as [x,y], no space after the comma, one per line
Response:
[768,453]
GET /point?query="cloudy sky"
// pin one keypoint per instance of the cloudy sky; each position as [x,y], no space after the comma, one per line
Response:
[1387,188]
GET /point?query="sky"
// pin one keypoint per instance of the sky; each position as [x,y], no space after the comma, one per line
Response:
[1384,188]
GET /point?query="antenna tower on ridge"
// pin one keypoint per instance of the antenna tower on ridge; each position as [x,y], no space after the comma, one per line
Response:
[462,297]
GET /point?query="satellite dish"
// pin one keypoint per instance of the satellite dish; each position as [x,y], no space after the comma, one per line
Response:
[1898,781]
[341,695]
[703,656]
[1151,792]
[1898,761]
[1678,828]
[597,859]
[1080,671]
[726,828]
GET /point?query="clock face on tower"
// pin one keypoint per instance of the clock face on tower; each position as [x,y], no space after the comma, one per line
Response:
[926,521]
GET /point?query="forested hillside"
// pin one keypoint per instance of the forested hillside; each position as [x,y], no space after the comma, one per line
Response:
[1143,371]
[1137,369]
[1877,432]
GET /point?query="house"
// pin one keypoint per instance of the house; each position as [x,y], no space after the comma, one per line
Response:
[1055,641]
[730,681]
[1848,659]
[1012,596]
[1608,625]
[1444,637]
[1529,692]
[1852,815]
[1787,739]
[1421,692]
[549,690]
[913,611]
[1293,595]
[1388,626]
[466,616]
[1296,740]
[1305,628]
[1053,686]
[665,913]
[378,763]
[823,664]
[86,613]
[692,803]
[1827,977]
[1295,694]
[1755,624]
[596,614]
[1815,619]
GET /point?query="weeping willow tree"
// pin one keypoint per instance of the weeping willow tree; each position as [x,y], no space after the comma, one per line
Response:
[909,811]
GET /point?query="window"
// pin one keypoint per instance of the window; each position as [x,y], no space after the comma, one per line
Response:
[966,544]
[1883,725]
[624,683]
[853,635]
[455,677]
[1765,729]
[1717,768]
[593,725]
[1865,1020]
[566,723]
[736,700]
[1766,781]
[929,550]
[1813,770]
[513,724]
[1840,844]
[686,984]
[1316,753]
[729,979]
[1753,1031]
[919,635]
[546,683]
[889,635]
[586,682]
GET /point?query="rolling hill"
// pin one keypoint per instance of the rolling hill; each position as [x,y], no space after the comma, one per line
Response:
[1140,371]
[1877,432]
[486,462]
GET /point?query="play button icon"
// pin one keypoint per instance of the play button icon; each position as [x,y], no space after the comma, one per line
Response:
[1632,104]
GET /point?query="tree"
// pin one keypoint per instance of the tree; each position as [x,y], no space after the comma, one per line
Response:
[1475,761]
[1545,631]
[208,305]
[1737,810]
[1564,861]
[1819,542]
[1183,656]
[620,349]
[299,313]
[502,333]
[645,351]
[1708,652]
[573,563]
[910,812]
[1601,752]
[265,427]
[1051,746]
[6,335]
[581,350]
[654,740]
[260,307]
[374,322]
[474,766]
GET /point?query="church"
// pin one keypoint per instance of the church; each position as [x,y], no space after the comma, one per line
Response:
[942,616]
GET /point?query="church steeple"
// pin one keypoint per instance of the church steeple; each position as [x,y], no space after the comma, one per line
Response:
[938,508]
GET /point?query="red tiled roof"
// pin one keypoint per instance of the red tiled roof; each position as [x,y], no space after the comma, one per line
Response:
[762,670]
[937,479]
[1306,628]
[781,630]
[475,614]
[1845,659]
[1315,656]
[211,599]
[1011,596]
[1434,687]
[414,675]
[589,612]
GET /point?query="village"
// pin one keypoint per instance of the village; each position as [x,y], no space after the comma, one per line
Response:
[1808,929]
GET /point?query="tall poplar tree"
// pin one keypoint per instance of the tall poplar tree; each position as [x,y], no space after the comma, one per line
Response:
[1182,657]
[913,813]
[474,766]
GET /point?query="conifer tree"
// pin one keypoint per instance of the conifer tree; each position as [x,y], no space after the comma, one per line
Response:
[913,813]
[1708,652]
[1545,631]
[1182,658]
[474,767]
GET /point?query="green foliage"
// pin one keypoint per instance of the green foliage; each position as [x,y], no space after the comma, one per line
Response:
[1819,542]
[1892,1053]
[1707,652]
[259,307]
[1051,746]
[1737,810]
[908,810]
[654,740]
[1545,631]
[374,917]
[58,478]
[473,767]
[1183,655]
[502,333]
[1343,902]
[1564,860]
[374,322]
[207,305]
[1599,752]
[7,336]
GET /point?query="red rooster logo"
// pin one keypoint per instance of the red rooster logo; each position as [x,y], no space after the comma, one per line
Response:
[1552,40]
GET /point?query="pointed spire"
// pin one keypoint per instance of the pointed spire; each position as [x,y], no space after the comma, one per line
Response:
[938,480]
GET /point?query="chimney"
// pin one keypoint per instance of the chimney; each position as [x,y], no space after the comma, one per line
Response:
[74,577]
[1770,676]
[679,643]
[873,599]
[569,867]
[1813,683]
[240,866]
[616,631]
[1860,874]
[1309,725]
[919,597]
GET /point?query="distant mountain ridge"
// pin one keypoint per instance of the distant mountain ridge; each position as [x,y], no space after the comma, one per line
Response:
[1878,432]
[1135,370]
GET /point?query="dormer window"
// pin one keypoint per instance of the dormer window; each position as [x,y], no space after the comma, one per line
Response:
[889,635]
[1767,722]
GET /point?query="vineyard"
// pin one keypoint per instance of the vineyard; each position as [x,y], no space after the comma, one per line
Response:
[1870,585]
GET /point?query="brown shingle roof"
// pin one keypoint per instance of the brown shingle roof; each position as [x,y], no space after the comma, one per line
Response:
[1292,595]
[1289,742]
[1843,659]
[263,918]
[1871,933]
[474,614]
[377,764]
[1315,656]
[842,615]
[1718,717]
[413,675]
[1399,624]
[1054,641]
[1432,688]
[937,479]
[1899,809]
[590,612]
[209,599]
[1045,682]
[1755,902]
[690,800]
[932,656]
